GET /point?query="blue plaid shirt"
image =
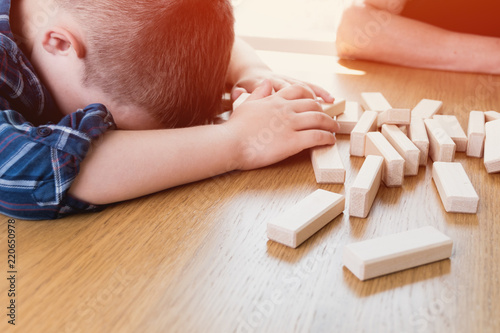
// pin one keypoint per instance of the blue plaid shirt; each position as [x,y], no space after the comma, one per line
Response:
[39,160]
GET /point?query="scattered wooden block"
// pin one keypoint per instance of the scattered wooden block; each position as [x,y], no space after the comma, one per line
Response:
[397,252]
[375,101]
[404,129]
[441,148]
[394,117]
[492,146]
[454,187]
[404,147]
[334,109]
[426,108]
[476,134]
[452,127]
[365,187]
[393,173]
[327,165]
[243,97]
[367,123]
[418,135]
[348,120]
[491,115]
[305,218]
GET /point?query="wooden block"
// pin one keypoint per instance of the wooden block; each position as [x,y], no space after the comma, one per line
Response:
[394,164]
[491,115]
[367,123]
[394,117]
[426,108]
[441,147]
[393,253]
[404,129]
[375,101]
[334,109]
[404,147]
[452,127]
[492,146]
[305,218]
[454,187]
[243,97]
[327,165]
[348,120]
[418,135]
[475,134]
[366,186]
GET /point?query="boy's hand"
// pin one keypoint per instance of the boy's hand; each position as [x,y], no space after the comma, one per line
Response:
[268,128]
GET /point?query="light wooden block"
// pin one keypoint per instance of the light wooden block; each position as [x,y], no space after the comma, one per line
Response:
[441,146]
[305,218]
[404,129]
[426,108]
[404,147]
[240,100]
[367,123]
[334,109]
[394,164]
[491,115]
[397,252]
[418,135]
[366,186]
[451,125]
[454,187]
[327,165]
[475,134]
[492,146]
[348,120]
[394,117]
[375,101]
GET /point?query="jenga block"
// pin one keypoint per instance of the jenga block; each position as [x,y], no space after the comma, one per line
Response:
[476,134]
[404,147]
[327,164]
[452,127]
[441,148]
[491,115]
[375,101]
[394,164]
[454,187]
[394,117]
[426,108]
[243,97]
[418,135]
[367,123]
[348,120]
[492,146]
[404,129]
[305,218]
[334,109]
[397,252]
[366,186]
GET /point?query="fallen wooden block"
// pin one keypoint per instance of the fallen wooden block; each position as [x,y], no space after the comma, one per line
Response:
[348,120]
[367,123]
[492,146]
[394,117]
[404,147]
[454,187]
[366,186]
[334,109]
[240,100]
[374,101]
[476,134]
[441,148]
[491,115]
[426,108]
[327,165]
[394,164]
[305,218]
[397,252]
[418,135]
[452,127]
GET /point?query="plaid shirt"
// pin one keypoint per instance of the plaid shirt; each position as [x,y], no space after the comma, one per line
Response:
[38,163]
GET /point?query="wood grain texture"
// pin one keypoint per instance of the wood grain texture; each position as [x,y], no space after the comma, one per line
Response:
[196,258]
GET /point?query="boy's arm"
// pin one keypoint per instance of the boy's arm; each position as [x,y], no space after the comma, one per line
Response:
[377,32]
[128,164]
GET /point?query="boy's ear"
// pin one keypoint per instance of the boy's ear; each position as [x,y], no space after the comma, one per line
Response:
[60,41]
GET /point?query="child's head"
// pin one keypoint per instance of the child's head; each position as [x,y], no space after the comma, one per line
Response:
[167,57]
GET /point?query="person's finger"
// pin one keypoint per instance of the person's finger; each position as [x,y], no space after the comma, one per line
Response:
[263,90]
[303,105]
[237,91]
[313,138]
[296,91]
[322,93]
[280,84]
[314,120]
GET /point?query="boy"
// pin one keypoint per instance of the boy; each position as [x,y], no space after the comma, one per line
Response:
[153,64]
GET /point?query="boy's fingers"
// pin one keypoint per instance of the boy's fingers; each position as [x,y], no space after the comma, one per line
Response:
[314,138]
[303,105]
[324,94]
[296,91]
[263,90]
[314,120]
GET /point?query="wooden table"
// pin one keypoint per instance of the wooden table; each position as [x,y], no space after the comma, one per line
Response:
[196,258]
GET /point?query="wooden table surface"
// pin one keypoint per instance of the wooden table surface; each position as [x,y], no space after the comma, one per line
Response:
[196,258]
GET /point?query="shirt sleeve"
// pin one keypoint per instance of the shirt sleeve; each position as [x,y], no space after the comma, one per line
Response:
[39,164]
